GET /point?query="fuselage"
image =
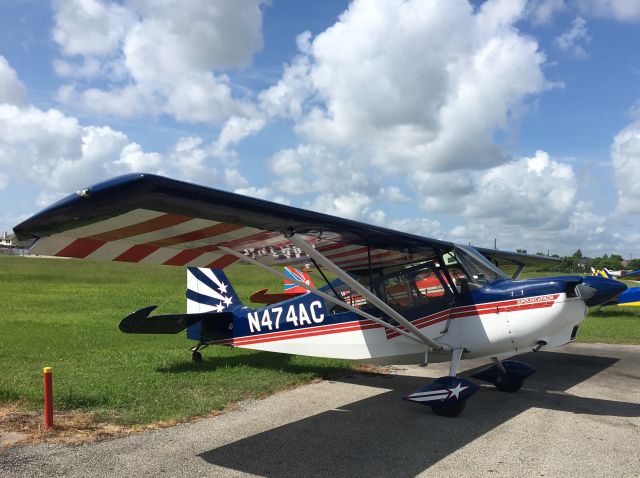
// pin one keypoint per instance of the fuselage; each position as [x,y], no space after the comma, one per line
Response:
[502,318]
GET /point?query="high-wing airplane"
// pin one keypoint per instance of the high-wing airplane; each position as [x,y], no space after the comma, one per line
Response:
[394,297]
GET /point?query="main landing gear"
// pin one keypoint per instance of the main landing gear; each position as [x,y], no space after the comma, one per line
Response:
[507,376]
[447,396]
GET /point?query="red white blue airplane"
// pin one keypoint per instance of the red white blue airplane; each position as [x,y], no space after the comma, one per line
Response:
[397,297]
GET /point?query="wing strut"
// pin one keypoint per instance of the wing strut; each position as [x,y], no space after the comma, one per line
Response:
[324,295]
[370,296]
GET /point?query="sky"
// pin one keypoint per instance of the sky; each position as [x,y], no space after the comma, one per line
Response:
[472,121]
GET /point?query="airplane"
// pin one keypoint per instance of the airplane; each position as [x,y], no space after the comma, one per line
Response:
[630,297]
[394,297]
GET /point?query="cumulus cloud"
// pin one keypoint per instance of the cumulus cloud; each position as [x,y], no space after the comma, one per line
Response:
[12,91]
[90,27]
[535,191]
[625,157]
[160,57]
[58,154]
[368,84]
[574,40]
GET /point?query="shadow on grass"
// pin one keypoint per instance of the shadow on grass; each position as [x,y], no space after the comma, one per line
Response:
[382,436]
[260,360]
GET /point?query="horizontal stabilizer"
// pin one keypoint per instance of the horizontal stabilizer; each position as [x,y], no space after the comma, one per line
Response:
[216,325]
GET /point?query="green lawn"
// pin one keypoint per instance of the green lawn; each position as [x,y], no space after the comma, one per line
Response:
[611,325]
[64,314]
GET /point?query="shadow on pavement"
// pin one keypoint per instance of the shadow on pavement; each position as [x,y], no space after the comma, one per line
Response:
[383,435]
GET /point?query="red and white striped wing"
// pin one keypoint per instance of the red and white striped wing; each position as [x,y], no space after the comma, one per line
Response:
[155,220]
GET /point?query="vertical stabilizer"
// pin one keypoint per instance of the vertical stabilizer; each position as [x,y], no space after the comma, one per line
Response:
[208,290]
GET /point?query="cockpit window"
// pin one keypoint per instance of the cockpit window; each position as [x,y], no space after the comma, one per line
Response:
[413,287]
[479,270]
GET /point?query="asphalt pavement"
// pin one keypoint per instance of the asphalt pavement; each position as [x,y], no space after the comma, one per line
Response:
[579,415]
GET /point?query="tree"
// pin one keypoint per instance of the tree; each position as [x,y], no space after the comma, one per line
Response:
[521,251]
[578,254]
[633,264]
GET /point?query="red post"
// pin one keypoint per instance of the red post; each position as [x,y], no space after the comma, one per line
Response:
[48,398]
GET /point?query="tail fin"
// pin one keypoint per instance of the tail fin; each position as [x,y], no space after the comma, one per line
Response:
[297,274]
[209,290]
[601,273]
[608,273]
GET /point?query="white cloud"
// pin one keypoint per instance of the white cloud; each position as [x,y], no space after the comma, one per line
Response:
[160,57]
[90,27]
[622,10]
[252,191]
[394,195]
[625,157]
[543,11]
[575,40]
[583,230]
[58,154]
[373,88]
[420,226]
[317,169]
[234,131]
[12,91]
[533,192]
[352,205]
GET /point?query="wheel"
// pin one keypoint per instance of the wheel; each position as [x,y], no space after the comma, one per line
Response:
[506,384]
[450,410]
[196,356]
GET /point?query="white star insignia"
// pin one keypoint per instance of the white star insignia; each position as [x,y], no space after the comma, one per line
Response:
[227,301]
[455,392]
[223,288]
[219,307]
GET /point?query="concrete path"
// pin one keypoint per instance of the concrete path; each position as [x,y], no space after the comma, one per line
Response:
[579,415]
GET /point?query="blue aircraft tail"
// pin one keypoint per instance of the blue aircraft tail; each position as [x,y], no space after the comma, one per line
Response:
[209,292]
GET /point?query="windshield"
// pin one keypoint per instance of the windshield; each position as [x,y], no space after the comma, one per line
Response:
[479,269]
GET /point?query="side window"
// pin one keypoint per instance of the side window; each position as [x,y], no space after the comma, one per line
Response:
[413,288]
[349,296]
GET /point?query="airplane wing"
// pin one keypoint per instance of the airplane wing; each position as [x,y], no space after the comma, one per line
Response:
[631,274]
[152,219]
[517,257]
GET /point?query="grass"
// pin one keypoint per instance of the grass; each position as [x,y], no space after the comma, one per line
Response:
[611,325]
[64,314]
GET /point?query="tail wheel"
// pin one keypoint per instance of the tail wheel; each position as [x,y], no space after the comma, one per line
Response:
[196,356]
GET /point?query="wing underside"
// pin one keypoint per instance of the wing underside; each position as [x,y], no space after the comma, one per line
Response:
[155,220]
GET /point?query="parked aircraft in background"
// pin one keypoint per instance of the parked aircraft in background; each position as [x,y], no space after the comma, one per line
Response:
[398,297]
[628,298]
